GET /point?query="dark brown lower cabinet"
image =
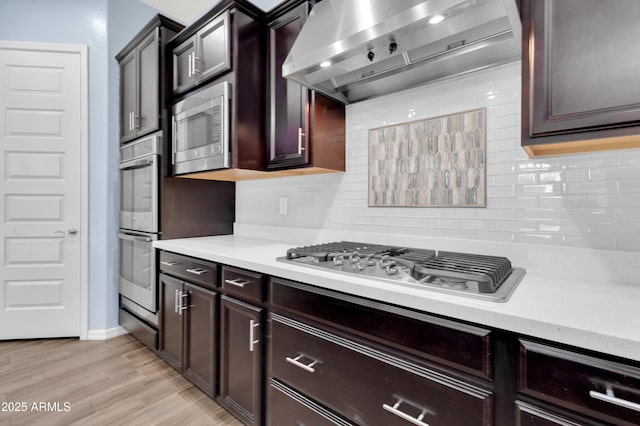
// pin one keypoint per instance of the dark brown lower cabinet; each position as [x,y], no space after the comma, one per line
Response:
[241,358]
[367,385]
[599,390]
[188,331]
[291,408]
[338,359]
[171,324]
[531,415]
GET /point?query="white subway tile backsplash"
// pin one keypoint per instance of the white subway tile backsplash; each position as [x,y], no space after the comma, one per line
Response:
[512,202]
[629,187]
[629,239]
[628,216]
[585,200]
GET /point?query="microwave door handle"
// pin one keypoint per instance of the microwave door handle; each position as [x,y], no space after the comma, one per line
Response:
[137,164]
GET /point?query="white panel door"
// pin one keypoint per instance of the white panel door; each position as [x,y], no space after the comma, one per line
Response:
[41,114]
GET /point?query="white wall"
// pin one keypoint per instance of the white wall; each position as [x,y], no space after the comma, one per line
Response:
[588,200]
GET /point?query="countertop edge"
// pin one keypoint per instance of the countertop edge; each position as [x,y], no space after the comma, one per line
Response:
[577,327]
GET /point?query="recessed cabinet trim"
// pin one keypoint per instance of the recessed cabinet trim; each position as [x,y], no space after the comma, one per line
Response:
[595,387]
[139,89]
[241,359]
[576,80]
[285,127]
[208,53]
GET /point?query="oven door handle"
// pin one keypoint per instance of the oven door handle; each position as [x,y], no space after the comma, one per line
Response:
[130,237]
[138,164]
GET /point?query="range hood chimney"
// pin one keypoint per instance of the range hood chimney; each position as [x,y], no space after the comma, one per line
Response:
[352,50]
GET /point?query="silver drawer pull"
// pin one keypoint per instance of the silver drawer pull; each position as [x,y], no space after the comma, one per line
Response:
[238,282]
[169,262]
[611,398]
[306,367]
[395,409]
[197,271]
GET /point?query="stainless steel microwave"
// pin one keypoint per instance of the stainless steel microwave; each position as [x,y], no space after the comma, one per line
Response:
[201,125]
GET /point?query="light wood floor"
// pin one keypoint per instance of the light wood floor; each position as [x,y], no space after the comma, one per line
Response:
[117,381]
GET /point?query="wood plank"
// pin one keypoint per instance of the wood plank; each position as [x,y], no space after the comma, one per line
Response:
[117,381]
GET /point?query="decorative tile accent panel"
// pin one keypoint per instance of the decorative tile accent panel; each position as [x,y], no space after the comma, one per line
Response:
[589,200]
[437,162]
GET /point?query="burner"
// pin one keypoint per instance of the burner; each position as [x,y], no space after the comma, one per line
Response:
[482,276]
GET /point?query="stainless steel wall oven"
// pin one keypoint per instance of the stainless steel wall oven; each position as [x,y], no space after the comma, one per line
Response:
[139,225]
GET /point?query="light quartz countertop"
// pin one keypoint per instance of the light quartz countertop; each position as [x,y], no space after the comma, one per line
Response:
[590,314]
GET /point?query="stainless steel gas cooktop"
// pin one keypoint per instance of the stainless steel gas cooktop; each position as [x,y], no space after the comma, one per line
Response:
[472,275]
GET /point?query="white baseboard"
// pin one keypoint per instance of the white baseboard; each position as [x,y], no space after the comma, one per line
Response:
[106,334]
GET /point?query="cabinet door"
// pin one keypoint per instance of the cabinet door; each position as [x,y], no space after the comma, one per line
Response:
[183,58]
[581,65]
[287,121]
[146,118]
[199,344]
[213,48]
[171,321]
[128,89]
[241,360]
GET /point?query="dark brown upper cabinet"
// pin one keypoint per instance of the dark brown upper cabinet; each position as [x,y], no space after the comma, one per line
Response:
[304,128]
[227,44]
[141,79]
[204,55]
[580,76]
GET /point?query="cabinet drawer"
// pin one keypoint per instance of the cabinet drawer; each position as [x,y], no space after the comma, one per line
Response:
[450,343]
[530,415]
[196,271]
[138,329]
[367,386]
[289,408]
[602,389]
[243,284]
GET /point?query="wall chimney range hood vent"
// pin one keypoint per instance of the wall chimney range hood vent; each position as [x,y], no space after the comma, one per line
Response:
[352,50]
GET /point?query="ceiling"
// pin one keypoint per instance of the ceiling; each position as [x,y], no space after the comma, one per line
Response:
[188,11]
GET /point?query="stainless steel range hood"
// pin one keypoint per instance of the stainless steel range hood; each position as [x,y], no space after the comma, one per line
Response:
[353,50]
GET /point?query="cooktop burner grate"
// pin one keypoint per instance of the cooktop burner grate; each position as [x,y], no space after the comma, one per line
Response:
[325,252]
[484,276]
[492,268]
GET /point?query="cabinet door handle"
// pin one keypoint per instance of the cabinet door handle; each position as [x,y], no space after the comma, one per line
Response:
[300,135]
[196,71]
[131,121]
[182,305]
[190,69]
[169,262]
[175,302]
[395,409]
[252,340]
[197,271]
[238,282]
[306,367]
[611,398]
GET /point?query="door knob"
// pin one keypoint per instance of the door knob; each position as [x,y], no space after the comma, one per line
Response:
[71,231]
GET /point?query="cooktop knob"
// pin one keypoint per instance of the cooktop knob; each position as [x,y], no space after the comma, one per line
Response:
[392,269]
[338,260]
